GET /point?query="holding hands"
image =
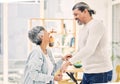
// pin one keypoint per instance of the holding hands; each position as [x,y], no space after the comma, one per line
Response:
[64,66]
[67,63]
[66,58]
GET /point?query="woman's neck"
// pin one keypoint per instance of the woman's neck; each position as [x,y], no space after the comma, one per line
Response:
[43,47]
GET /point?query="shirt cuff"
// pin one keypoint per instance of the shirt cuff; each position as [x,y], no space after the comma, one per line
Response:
[72,61]
[50,78]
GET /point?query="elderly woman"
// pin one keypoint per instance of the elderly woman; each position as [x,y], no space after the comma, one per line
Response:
[40,66]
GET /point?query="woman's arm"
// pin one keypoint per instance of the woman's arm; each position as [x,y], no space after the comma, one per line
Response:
[58,64]
[34,68]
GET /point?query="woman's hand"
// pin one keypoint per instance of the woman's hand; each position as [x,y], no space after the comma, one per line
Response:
[58,77]
[66,57]
[64,66]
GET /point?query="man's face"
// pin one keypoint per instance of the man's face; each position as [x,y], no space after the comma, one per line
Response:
[79,16]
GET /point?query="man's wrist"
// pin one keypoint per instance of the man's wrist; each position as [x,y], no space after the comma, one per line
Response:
[63,58]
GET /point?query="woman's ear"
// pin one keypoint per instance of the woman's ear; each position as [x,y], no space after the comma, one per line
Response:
[41,36]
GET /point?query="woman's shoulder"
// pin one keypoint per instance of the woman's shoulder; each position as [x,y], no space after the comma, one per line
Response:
[36,51]
[34,56]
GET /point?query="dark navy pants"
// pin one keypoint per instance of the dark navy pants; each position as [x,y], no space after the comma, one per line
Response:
[97,78]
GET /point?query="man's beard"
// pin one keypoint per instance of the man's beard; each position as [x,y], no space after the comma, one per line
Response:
[78,21]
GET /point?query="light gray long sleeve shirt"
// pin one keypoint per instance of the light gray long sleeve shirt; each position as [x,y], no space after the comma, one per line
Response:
[93,48]
[36,70]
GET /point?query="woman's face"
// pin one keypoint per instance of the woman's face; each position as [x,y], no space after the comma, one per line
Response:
[45,37]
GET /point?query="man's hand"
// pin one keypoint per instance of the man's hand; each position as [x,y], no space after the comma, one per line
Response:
[66,57]
[58,77]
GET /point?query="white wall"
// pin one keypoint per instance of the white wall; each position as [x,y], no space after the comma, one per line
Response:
[116,36]
[18,17]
